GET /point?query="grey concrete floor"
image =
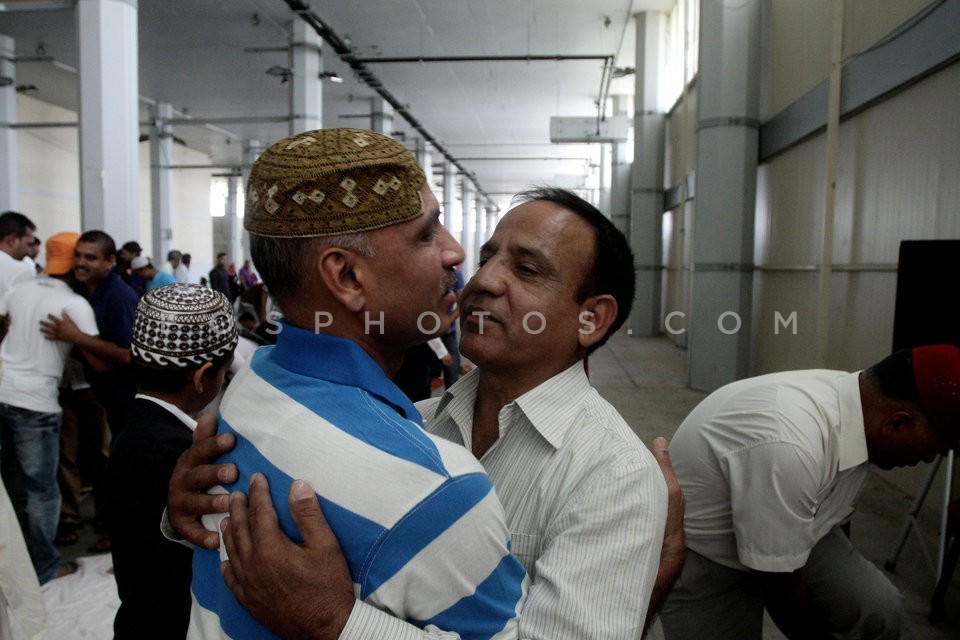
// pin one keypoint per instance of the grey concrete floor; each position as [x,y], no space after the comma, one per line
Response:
[645,379]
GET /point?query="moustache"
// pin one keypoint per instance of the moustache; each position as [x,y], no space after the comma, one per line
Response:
[448,284]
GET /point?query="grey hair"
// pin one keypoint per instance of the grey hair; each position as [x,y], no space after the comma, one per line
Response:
[282,262]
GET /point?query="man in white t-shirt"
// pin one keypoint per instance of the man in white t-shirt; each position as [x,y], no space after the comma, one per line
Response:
[16,236]
[30,415]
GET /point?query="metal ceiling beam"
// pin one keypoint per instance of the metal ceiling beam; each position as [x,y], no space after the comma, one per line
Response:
[527,158]
[227,120]
[302,9]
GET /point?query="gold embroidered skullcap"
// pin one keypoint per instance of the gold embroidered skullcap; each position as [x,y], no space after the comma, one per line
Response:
[330,182]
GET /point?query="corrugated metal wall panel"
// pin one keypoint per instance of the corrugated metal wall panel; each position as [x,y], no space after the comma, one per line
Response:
[904,169]
[796,45]
[867,21]
[898,179]
[790,204]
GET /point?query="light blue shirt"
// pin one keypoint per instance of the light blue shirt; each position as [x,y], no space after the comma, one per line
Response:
[162,279]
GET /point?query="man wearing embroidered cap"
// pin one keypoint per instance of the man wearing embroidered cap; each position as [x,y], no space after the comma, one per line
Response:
[30,415]
[345,233]
[772,466]
[182,346]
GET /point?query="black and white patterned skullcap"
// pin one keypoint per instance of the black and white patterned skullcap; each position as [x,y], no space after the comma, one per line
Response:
[182,326]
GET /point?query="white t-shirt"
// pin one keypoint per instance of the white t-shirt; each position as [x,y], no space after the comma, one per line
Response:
[13,271]
[32,364]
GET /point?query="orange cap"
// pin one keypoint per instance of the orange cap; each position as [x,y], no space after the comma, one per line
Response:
[60,252]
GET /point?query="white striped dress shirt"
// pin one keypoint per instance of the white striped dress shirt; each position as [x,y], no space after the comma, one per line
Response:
[585,502]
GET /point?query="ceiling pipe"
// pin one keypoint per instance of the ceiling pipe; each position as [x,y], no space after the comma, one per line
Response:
[302,8]
[558,57]
[36,5]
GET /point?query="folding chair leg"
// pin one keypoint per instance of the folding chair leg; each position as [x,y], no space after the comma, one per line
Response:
[950,563]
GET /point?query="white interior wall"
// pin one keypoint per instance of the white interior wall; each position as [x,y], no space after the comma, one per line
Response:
[50,183]
[48,167]
[190,206]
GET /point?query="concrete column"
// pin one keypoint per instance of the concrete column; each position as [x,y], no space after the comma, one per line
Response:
[603,201]
[723,223]
[234,225]
[9,180]
[479,236]
[161,184]
[646,202]
[618,205]
[109,117]
[450,220]
[468,200]
[306,88]
[252,151]
[381,116]
[492,219]
[424,155]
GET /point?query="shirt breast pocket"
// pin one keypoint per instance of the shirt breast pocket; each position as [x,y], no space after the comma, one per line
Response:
[526,549]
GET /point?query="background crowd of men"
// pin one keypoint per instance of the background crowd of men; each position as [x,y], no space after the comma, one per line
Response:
[66,384]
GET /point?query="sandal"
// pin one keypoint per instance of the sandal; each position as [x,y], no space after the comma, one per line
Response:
[66,569]
[66,535]
[102,545]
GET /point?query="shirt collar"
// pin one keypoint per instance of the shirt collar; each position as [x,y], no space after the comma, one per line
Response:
[853,438]
[549,407]
[102,287]
[343,362]
[172,408]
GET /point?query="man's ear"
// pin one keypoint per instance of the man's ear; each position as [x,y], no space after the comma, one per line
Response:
[597,314]
[198,379]
[899,420]
[342,272]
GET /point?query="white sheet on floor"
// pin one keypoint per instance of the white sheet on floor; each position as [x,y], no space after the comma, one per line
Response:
[81,606]
[19,589]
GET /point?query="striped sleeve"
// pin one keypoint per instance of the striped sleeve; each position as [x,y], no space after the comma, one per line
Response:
[448,563]
[417,518]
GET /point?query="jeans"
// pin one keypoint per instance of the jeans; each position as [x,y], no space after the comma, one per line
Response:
[33,439]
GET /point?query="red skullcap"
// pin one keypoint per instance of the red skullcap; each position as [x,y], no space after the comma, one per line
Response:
[936,370]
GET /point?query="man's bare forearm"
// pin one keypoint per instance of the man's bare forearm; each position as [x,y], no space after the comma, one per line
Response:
[102,355]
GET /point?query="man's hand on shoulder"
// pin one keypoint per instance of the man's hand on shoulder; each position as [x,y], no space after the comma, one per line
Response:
[298,591]
[187,498]
[673,552]
[62,328]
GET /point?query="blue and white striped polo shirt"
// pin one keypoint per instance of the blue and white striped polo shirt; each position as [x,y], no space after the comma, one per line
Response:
[416,516]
